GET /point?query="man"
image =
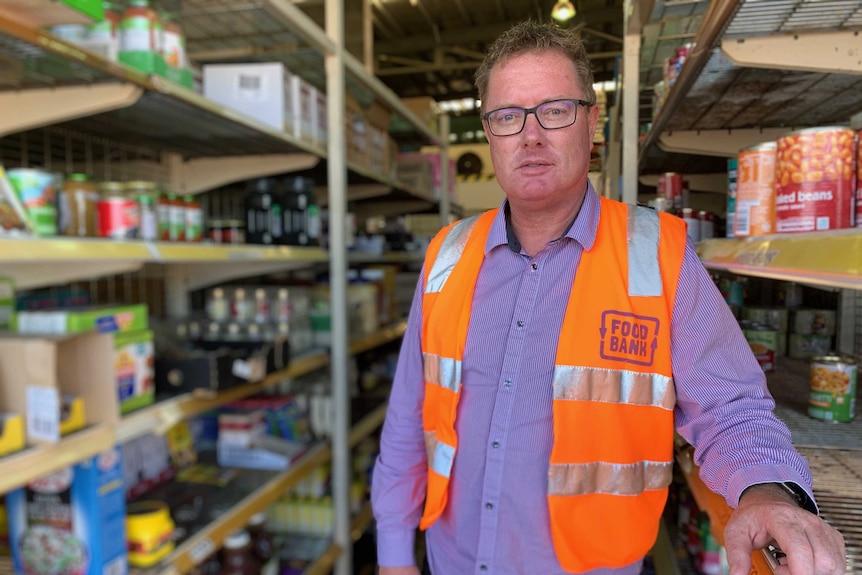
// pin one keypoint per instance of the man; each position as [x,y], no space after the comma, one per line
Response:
[552,348]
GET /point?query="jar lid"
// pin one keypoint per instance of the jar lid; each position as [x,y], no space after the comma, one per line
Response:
[111,187]
[140,185]
[260,517]
[237,540]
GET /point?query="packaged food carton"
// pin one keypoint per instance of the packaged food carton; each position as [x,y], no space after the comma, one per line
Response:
[103,319]
[71,521]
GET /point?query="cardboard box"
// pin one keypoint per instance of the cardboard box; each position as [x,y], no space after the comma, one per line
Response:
[100,318]
[303,98]
[12,437]
[80,510]
[135,369]
[425,108]
[260,90]
[36,372]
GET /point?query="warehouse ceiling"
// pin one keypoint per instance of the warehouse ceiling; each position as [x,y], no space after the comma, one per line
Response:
[420,47]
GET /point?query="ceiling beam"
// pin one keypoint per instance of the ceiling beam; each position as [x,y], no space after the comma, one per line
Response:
[384,13]
[600,34]
[460,6]
[419,67]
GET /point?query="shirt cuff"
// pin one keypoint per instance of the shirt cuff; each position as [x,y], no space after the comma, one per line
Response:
[395,548]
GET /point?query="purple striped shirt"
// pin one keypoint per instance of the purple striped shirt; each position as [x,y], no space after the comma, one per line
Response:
[496,521]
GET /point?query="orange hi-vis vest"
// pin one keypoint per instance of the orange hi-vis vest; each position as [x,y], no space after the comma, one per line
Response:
[611,460]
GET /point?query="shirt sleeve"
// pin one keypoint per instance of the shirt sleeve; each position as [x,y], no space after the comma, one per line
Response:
[723,406]
[400,472]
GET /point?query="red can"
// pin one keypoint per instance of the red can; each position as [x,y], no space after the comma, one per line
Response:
[119,215]
[670,187]
[814,186]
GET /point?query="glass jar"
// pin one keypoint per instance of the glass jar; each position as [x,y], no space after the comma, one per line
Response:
[238,555]
[118,213]
[78,206]
[262,545]
[144,195]
[194,218]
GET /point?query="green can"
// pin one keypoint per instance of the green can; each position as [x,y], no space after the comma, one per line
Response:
[37,191]
[833,388]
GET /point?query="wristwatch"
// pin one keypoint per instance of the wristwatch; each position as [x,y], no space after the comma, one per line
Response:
[800,496]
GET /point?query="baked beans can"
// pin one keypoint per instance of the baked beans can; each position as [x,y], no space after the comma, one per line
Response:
[833,388]
[814,185]
[763,341]
[755,191]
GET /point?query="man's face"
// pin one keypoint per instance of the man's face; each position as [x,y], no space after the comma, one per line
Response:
[539,167]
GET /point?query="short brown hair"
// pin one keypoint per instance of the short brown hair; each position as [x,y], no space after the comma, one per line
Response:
[531,36]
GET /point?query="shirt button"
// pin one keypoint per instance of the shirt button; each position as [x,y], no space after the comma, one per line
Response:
[489,506]
[535,266]
[483,567]
[496,445]
[508,383]
[520,323]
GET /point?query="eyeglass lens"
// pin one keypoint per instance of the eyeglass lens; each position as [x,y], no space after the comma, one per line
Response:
[551,115]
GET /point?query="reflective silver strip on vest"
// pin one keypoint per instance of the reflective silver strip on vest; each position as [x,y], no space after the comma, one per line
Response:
[610,478]
[440,455]
[643,238]
[574,383]
[442,371]
[449,254]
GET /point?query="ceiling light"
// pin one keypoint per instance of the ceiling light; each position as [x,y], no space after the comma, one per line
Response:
[563,11]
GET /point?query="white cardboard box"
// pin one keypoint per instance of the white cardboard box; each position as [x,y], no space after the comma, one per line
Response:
[261,91]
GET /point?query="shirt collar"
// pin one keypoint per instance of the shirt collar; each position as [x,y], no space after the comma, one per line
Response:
[582,230]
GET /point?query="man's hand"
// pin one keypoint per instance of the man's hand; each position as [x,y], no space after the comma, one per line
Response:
[767,514]
[412,570]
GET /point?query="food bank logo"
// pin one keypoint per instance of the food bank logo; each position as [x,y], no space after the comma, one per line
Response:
[628,337]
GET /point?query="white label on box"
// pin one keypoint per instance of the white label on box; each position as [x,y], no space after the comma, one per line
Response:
[43,413]
[250,87]
[241,369]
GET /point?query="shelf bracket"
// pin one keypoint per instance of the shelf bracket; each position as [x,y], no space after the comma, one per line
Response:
[723,143]
[43,107]
[202,174]
[830,52]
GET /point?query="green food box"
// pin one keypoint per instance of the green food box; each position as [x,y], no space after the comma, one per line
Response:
[92,8]
[133,364]
[105,319]
[7,303]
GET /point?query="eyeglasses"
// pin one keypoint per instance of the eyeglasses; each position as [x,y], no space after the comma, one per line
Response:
[551,115]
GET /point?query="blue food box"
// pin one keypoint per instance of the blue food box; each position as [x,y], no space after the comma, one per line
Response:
[71,522]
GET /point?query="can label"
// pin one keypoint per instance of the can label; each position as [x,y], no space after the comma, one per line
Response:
[763,343]
[37,193]
[119,218]
[833,390]
[814,181]
[755,192]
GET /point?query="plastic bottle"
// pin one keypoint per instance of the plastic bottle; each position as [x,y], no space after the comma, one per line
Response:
[194,219]
[173,42]
[238,555]
[140,28]
[262,545]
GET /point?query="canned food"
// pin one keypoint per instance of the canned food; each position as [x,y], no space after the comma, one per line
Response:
[763,341]
[36,190]
[814,180]
[670,187]
[119,216]
[774,317]
[692,224]
[833,388]
[731,195]
[755,191]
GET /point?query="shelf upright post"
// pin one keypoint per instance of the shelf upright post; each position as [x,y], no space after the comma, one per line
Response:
[337,178]
[631,101]
[445,207]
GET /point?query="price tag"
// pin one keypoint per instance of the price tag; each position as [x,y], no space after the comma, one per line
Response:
[43,413]
[201,550]
[241,369]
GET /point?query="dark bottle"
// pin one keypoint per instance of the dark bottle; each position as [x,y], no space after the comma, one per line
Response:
[301,214]
[263,209]
[264,549]
[237,555]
